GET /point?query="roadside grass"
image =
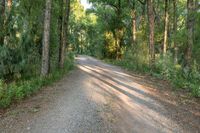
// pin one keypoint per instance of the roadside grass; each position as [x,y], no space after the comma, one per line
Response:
[16,91]
[165,69]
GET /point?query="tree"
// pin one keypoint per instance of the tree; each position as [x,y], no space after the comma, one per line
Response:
[175,31]
[151,24]
[166,26]
[62,34]
[46,37]
[190,31]
[132,5]
[2,16]
[64,24]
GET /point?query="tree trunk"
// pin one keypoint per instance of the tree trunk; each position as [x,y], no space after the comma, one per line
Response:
[134,26]
[151,18]
[46,38]
[62,36]
[9,4]
[190,31]
[174,32]
[118,32]
[142,16]
[166,27]
[133,14]
[65,19]
[2,17]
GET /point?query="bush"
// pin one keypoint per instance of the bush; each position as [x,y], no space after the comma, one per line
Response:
[181,78]
[19,90]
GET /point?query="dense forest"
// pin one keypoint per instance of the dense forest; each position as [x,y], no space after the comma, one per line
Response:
[160,38]
[38,40]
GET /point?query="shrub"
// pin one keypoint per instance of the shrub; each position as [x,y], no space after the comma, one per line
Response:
[180,77]
[19,90]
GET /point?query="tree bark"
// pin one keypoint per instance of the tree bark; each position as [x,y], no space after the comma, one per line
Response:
[119,31]
[190,31]
[151,22]
[175,31]
[62,36]
[166,27]
[2,17]
[65,19]
[133,13]
[46,40]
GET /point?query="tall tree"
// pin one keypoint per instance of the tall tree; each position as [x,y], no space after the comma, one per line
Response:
[46,38]
[166,26]
[64,19]
[119,29]
[133,13]
[151,24]
[190,30]
[132,5]
[62,33]
[2,16]
[175,31]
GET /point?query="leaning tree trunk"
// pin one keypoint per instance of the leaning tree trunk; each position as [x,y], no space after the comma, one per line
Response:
[190,31]
[166,27]
[2,17]
[46,38]
[151,22]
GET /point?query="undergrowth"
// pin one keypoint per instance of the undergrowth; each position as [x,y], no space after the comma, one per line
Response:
[21,89]
[179,77]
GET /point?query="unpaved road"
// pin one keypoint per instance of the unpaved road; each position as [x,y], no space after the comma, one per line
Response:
[101,98]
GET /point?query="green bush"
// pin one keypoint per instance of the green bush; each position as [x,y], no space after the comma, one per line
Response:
[19,90]
[181,78]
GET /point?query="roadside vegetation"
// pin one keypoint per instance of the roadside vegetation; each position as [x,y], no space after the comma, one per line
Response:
[37,39]
[18,90]
[166,70]
[159,38]
[34,50]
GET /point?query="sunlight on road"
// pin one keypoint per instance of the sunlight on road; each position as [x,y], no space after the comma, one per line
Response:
[133,99]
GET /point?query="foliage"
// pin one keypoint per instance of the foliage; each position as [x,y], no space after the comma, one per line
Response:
[21,36]
[165,69]
[111,38]
[24,88]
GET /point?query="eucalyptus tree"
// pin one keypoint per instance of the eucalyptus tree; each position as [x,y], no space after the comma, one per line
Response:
[190,30]
[46,37]
[65,9]
[175,31]
[166,27]
[151,17]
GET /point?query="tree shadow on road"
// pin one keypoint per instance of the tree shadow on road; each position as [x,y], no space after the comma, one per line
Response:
[183,117]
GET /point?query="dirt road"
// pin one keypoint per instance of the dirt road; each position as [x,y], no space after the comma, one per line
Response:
[101,98]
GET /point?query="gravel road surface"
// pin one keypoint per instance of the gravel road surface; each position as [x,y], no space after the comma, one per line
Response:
[99,98]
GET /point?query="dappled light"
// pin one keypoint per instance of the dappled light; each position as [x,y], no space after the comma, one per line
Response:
[99,66]
[141,102]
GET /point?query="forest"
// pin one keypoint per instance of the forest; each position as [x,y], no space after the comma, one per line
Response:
[39,40]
